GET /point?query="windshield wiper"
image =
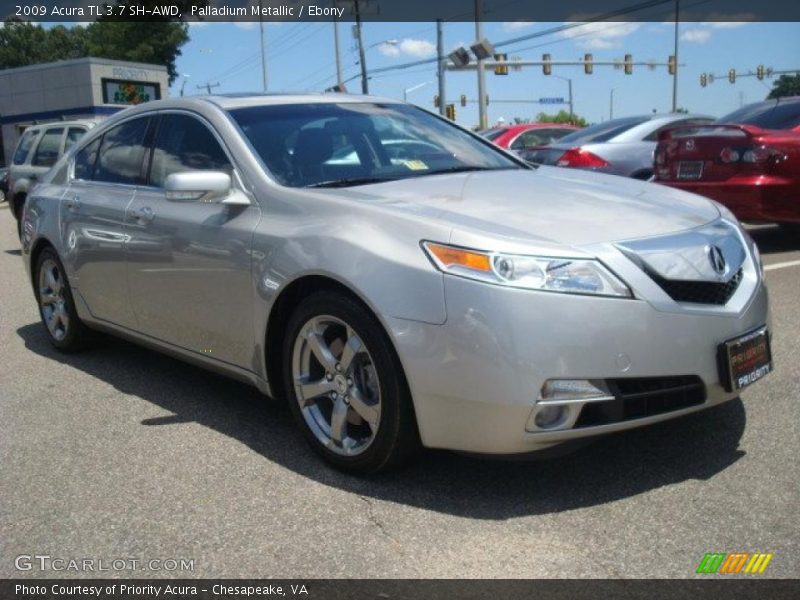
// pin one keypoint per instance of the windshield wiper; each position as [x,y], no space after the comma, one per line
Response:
[346,182]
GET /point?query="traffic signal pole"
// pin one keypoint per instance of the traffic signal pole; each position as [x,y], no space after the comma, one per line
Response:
[441,68]
[482,116]
[675,73]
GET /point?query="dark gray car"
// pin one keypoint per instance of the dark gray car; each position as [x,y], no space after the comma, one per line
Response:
[619,147]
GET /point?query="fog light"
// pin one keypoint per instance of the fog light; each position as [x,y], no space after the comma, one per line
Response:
[549,417]
[566,390]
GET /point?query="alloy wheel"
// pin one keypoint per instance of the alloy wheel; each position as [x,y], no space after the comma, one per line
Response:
[336,385]
[53,299]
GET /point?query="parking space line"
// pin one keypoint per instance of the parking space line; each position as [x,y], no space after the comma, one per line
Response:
[782,265]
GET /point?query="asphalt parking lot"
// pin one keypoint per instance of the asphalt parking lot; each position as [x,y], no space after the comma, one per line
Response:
[122,452]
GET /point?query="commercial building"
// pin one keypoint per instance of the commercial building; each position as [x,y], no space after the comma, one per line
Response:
[72,89]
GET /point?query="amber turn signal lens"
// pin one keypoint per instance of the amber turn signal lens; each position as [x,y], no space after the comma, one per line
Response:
[451,257]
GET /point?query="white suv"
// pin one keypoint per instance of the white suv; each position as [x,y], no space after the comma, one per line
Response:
[37,150]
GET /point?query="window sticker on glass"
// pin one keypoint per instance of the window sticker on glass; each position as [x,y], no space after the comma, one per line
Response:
[415,165]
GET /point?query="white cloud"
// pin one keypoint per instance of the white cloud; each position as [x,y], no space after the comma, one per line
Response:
[409,47]
[696,36]
[246,24]
[727,24]
[516,25]
[600,35]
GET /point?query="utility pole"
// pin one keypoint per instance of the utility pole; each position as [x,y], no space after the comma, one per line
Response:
[611,106]
[440,69]
[339,81]
[208,85]
[571,108]
[263,50]
[361,54]
[483,118]
[675,75]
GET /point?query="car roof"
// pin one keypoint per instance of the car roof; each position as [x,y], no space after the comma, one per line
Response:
[234,101]
[76,122]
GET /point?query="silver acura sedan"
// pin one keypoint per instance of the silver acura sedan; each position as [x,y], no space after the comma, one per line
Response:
[443,294]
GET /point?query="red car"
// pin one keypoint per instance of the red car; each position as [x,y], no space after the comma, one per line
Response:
[529,135]
[748,160]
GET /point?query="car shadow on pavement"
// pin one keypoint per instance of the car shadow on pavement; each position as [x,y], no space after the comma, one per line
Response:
[612,468]
[776,239]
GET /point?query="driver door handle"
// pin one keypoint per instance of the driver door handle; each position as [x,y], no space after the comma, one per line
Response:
[144,214]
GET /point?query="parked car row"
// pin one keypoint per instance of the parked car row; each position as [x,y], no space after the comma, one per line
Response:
[37,150]
[748,160]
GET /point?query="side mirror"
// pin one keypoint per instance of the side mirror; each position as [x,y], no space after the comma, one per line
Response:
[202,186]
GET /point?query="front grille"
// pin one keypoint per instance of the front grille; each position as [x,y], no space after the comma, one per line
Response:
[643,397]
[699,292]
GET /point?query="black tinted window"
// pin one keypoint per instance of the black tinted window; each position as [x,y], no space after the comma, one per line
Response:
[121,153]
[767,115]
[602,132]
[46,153]
[86,159]
[24,146]
[185,144]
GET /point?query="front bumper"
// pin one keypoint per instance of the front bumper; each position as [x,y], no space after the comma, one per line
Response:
[477,378]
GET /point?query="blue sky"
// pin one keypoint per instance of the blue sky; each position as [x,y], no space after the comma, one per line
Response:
[301,57]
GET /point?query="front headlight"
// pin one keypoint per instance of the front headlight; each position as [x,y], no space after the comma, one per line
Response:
[566,275]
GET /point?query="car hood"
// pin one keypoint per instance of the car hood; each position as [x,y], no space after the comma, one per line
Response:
[549,205]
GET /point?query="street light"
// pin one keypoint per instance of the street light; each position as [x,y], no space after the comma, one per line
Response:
[569,82]
[183,84]
[413,88]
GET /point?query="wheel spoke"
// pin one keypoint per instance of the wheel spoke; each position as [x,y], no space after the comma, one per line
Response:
[63,316]
[352,347]
[339,421]
[308,390]
[321,350]
[52,281]
[368,412]
[46,296]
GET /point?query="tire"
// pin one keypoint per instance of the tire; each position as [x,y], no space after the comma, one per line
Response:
[790,227]
[346,387]
[64,328]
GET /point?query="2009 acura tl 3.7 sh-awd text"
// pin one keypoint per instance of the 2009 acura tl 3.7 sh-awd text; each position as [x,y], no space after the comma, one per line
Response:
[402,282]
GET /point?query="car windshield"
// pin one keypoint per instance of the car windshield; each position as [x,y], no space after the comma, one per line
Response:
[602,132]
[767,115]
[345,144]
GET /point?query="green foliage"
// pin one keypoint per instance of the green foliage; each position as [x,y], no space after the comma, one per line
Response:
[157,41]
[561,117]
[682,111]
[785,85]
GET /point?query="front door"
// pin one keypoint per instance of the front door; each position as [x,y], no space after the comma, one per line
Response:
[189,263]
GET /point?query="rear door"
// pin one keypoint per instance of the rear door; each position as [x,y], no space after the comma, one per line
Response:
[105,175]
[189,263]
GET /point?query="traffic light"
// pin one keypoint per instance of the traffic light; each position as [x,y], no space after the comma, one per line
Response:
[672,65]
[628,64]
[437,102]
[760,71]
[732,75]
[547,68]
[450,112]
[463,100]
[501,70]
[588,64]
[703,80]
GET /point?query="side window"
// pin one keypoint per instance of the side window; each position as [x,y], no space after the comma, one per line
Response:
[73,135]
[121,153]
[24,146]
[532,137]
[46,153]
[185,144]
[86,159]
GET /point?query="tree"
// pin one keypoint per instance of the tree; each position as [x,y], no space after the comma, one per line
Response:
[561,117]
[785,85]
[156,41]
